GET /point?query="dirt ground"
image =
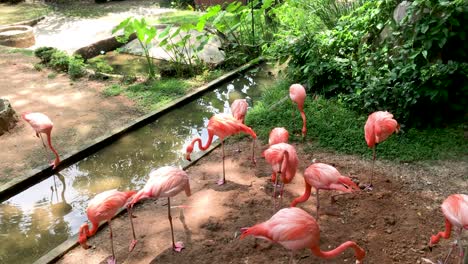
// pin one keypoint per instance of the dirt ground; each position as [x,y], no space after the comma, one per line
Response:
[393,223]
[78,110]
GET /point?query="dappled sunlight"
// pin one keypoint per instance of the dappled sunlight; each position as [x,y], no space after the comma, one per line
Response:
[205,204]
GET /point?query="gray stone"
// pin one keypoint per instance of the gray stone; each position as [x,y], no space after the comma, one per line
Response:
[8,117]
[400,11]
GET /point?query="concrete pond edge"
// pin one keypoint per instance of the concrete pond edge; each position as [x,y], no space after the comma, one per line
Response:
[62,249]
[40,173]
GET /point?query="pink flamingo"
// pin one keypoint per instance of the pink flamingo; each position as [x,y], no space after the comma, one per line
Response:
[379,126]
[325,177]
[283,160]
[455,209]
[295,229]
[42,124]
[222,125]
[278,135]
[103,207]
[165,182]
[239,109]
[298,94]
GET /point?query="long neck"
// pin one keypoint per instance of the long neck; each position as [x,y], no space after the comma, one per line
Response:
[446,234]
[304,127]
[359,252]
[93,230]
[200,145]
[304,197]
[248,130]
[287,171]
[49,142]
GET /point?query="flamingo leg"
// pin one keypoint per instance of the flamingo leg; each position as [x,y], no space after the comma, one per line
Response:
[281,194]
[134,240]
[177,247]
[274,190]
[111,260]
[221,182]
[253,153]
[369,186]
[291,259]
[318,204]
[42,139]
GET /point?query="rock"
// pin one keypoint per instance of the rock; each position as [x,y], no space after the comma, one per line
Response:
[388,231]
[8,117]
[400,11]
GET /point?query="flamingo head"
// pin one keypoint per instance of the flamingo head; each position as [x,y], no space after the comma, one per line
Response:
[23,115]
[188,152]
[434,240]
[82,238]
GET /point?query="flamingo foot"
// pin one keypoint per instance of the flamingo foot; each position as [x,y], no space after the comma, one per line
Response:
[178,246]
[132,245]
[221,182]
[368,187]
[111,260]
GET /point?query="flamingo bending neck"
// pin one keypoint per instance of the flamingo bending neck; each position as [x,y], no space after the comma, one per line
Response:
[304,197]
[445,234]
[49,142]
[358,251]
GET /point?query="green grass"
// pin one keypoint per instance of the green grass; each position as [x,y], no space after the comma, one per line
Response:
[178,18]
[154,95]
[23,11]
[9,50]
[331,125]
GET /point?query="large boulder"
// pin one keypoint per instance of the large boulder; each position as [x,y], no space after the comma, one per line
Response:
[8,117]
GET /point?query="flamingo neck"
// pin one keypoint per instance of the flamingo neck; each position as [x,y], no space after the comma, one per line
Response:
[304,197]
[358,251]
[446,234]
[49,142]
[304,127]
[285,175]
[200,144]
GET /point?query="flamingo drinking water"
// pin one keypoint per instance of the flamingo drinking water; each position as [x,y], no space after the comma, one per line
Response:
[42,124]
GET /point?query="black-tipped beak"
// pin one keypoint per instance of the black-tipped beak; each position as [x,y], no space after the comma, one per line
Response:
[430,248]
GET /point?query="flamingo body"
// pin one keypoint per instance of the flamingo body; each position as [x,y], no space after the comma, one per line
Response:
[278,135]
[295,229]
[222,125]
[282,157]
[42,124]
[455,210]
[103,207]
[379,126]
[239,109]
[165,182]
[297,94]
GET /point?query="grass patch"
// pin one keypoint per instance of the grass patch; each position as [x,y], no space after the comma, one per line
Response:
[331,125]
[9,50]
[178,18]
[89,9]
[10,14]
[112,90]
[52,75]
[154,95]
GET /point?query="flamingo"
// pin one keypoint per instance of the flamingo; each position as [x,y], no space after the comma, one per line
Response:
[222,125]
[379,126]
[283,160]
[165,182]
[238,110]
[297,94]
[295,229]
[325,177]
[455,209]
[42,124]
[103,207]
[278,135]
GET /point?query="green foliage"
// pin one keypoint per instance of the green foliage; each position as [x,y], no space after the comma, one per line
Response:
[100,65]
[333,126]
[145,33]
[59,60]
[156,94]
[52,75]
[44,53]
[416,70]
[76,67]
[330,11]
[112,90]
[38,66]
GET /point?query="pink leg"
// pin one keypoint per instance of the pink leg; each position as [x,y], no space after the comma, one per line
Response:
[134,240]
[221,182]
[318,204]
[274,190]
[112,259]
[253,153]
[369,186]
[177,247]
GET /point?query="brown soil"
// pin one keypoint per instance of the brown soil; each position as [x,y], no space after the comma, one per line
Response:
[392,223]
[79,112]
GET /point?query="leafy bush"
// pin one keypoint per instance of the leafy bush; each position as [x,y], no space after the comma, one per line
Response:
[100,65]
[59,61]
[44,53]
[112,90]
[76,67]
[417,70]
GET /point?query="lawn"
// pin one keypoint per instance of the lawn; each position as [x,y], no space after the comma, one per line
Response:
[24,11]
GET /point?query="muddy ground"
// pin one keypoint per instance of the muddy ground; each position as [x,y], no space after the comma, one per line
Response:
[78,110]
[393,223]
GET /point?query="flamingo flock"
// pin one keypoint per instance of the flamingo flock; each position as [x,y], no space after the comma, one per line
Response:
[292,227]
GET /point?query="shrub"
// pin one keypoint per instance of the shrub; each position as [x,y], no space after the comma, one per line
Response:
[44,53]
[100,65]
[112,90]
[76,67]
[416,70]
[59,61]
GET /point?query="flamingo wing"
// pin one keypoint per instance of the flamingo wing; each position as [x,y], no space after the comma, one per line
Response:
[455,209]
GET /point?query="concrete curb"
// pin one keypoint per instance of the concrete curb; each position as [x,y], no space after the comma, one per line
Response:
[38,174]
[62,249]
[31,22]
